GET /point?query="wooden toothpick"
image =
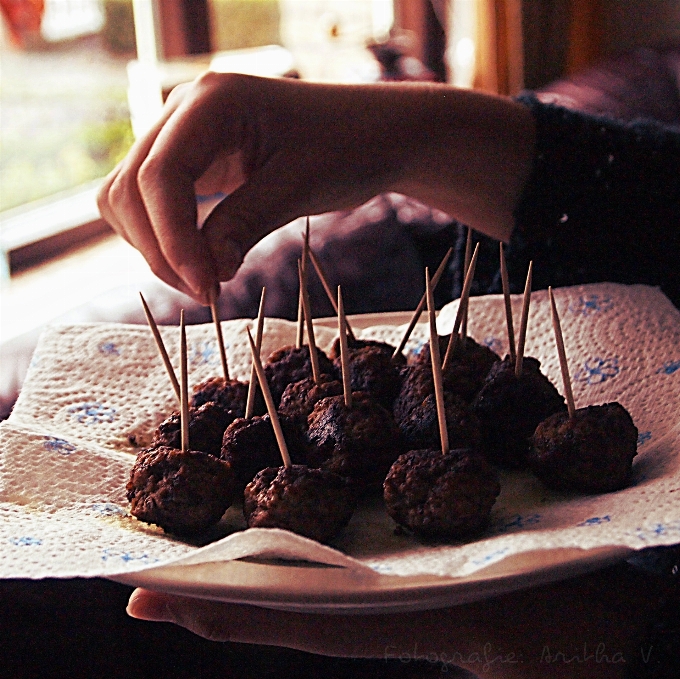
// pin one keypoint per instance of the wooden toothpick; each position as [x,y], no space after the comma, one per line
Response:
[220,338]
[508,306]
[523,323]
[313,356]
[184,383]
[161,348]
[423,301]
[301,314]
[564,366]
[299,337]
[252,385]
[344,352]
[271,408]
[462,304]
[468,257]
[436,367]
[327,288]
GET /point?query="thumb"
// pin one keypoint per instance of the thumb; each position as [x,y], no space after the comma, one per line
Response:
[204,618]
[214,620]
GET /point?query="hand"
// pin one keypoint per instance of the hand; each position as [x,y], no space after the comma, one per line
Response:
[282,149]
[590,627]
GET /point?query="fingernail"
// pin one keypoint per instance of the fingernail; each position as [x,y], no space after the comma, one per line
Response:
[145,605]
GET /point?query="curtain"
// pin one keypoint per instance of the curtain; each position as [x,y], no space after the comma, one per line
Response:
[499,47]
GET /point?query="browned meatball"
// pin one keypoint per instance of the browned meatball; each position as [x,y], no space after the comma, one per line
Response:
[288,365]
[509,410]
[417,384]
[372,370]
[228,394]
[386,348]
[591,453]
[312,502]
[441,496]
[182,492]
[422,356]
[420,428]
[360,442]
[468,366]
[299,398]
[250,445]
[206,428]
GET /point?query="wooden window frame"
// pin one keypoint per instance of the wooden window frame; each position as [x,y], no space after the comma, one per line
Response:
[42,230]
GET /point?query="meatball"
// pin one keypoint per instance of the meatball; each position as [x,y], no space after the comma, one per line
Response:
[288,365]
[315,503]
[417,383]
[509,410]
[420,428]
[352,344]
[468,365]
[228,394]
[206,428]
[299,398]
[441,496]
[360,442]
[182,492]
[372,370]
[422,357]
[250,445]
[591,453]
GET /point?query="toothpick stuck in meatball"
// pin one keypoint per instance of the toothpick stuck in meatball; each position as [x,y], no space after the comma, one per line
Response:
[206,428]
[315,503]
[437,495]
[290,364]
[509,410]
[359,442]
[183,492]
[591,452]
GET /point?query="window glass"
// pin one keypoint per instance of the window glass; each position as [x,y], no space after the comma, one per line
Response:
[63,97]
[327,38]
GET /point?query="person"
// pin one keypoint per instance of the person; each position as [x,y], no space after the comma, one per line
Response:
[566,189]
[595,626]
[284,148]
[587,198]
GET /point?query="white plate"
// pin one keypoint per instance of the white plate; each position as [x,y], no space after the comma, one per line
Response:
[313,588]
[634,332]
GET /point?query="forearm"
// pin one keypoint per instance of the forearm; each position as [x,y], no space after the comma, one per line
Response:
[461,151]
[472,158]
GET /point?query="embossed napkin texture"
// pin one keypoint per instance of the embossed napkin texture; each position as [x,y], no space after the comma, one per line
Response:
[94,390]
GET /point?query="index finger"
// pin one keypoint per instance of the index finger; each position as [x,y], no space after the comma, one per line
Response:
[202,129]
[121,205]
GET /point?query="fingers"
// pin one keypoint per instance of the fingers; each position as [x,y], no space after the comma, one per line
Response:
[510,636]
[275,147]
[255,209]
[197,145]
[120,202]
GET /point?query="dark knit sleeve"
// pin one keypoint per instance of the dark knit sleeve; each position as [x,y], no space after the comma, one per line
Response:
[602,202]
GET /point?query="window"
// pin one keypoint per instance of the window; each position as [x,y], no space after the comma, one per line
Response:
[63,102]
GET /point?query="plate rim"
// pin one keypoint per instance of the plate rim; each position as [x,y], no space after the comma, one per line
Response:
[338,590]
